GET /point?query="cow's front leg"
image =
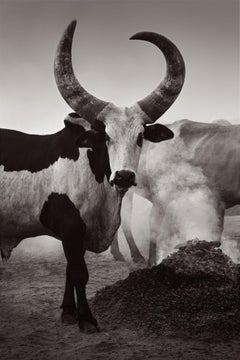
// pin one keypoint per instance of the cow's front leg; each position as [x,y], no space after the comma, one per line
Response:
[61,216]
[79,275]
[69,312]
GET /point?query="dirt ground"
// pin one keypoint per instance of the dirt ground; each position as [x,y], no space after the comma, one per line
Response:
[31,289]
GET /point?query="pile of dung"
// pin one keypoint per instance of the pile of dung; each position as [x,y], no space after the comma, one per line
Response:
[193,291]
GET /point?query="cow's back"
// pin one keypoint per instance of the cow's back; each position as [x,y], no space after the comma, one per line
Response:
[20,151]
[216,150]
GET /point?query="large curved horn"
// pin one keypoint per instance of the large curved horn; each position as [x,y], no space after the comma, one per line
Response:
[85,104]
[155,104]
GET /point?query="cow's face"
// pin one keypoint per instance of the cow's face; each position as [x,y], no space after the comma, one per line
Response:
[122,131]
[124,128]
[125,131]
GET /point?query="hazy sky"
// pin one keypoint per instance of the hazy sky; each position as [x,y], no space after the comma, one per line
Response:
[109,65]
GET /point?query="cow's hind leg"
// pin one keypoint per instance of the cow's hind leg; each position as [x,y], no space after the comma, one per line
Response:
[115,251]
[61,216]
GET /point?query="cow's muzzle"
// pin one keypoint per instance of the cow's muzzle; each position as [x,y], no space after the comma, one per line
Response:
[124,179]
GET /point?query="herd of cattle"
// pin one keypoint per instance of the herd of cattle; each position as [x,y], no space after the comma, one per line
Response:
[70,185]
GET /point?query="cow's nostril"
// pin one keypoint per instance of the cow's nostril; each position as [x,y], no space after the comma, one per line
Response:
[117,175]
[125,174]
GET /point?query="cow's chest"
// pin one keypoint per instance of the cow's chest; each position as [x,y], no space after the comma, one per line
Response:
[102,219]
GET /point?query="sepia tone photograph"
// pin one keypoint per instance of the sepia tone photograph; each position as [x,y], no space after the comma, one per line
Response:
[119,184]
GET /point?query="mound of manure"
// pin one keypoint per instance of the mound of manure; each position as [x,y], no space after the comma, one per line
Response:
[196,290]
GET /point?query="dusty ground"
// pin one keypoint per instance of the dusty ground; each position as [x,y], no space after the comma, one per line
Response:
[31,288]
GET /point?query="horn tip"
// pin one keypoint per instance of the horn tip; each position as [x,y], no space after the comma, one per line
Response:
[133,37]
[139,35]
[73,23]
[72,26]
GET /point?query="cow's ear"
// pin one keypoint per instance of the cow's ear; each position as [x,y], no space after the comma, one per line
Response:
[74,127]
[157,133]
[91,139]
[74,122]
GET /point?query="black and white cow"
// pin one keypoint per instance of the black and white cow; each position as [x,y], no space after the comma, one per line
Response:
[54,185]
[190,180]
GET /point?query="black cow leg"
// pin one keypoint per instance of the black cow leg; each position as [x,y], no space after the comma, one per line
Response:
[86,321]
[61,216]
[79,274]
[69,312]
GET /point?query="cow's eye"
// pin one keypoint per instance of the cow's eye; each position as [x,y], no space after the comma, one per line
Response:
[140,139]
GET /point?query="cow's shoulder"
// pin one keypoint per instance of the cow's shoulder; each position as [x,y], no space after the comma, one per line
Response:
[21,151]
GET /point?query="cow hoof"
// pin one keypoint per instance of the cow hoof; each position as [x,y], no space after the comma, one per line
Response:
[139,259]
[151,263]
[69,317]
[88,327]
[119,257]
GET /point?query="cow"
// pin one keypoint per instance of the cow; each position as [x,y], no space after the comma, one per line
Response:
[70,184]
[190,180]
